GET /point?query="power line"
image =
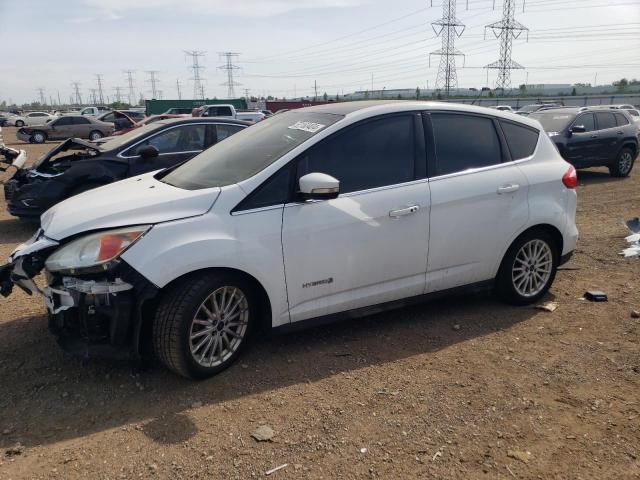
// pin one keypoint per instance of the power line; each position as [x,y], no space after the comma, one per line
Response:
[448,27]
[198,86]
[229,67]
[506,30]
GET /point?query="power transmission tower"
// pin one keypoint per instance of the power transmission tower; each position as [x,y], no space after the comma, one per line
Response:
[178,87]
[132,91]
[100,94]
[230,68]
[448,27]
[41,93]
[153,80]
[196,68]
[94,99]
[118,91]
[76,92]
[506,30]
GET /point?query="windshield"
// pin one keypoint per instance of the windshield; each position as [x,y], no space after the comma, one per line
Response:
[119,140]
[249,151]
[530,108]
[553,121]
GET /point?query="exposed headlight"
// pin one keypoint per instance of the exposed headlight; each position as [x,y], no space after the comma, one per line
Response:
[95,252]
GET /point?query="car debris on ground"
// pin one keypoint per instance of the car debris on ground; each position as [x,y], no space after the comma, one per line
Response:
[633,250]
[596,296]
[548,306]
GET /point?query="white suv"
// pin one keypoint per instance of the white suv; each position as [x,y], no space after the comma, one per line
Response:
[312,215]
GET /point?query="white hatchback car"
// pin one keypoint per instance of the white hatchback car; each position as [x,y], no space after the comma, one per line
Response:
[310,216]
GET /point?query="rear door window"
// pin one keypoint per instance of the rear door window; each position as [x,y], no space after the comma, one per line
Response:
[605,120]
[463,142]
[80,120]
[621,119]
[63,121]
[522,140]
[186,138]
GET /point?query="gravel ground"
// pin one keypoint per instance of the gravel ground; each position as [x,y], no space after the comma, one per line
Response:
[466,388]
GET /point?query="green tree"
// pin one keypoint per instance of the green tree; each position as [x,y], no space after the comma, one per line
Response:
[417,93]
[325,97]
[523,89]
[621,84]
[366,94]
[399,97]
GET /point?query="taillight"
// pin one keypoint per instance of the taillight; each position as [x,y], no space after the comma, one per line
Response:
[570,178]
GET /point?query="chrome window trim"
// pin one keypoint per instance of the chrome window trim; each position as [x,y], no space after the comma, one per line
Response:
[123,156]
[481,169]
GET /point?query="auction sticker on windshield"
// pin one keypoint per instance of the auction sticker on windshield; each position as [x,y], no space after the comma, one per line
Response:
[310,127]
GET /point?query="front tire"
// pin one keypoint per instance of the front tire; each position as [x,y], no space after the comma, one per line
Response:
[624,163]
[203,322]
[528,268]
[38,137]
[95,135]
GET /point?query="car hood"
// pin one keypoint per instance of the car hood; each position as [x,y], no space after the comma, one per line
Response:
[69,144]
[134,201]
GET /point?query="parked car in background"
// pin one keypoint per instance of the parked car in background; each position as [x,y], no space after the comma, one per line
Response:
[502,108]
[178,111]
[529,109]
[227,110]
[122,120]
[64,127]
[30,119]
[316,215]
[593,138]
[148,120]
[76,166]
[93,111]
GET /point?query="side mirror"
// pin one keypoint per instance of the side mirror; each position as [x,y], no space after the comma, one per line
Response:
[578,129]
[148,151]
[318,186]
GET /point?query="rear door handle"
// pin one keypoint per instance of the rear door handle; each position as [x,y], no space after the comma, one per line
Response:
[404,211]
[620,133]
[594,136]
[512,187]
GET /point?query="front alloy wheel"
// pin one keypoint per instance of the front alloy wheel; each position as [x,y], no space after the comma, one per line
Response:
[38,137]
[203,322]
[219,326]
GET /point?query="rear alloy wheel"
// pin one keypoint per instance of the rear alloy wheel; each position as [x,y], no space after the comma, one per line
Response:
[19,123]
[38,137]
[203,323]
[528,269]
[95,135]
[623,164]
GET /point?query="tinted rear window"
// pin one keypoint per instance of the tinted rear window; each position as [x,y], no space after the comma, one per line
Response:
[553,121]
[621,119]
[521,140]
[463,142]
[605,120]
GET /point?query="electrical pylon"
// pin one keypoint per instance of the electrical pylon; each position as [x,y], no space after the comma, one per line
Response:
[448,27]
[506,30]
[230,68]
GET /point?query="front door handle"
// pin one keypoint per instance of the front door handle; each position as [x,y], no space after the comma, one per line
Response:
[512,187]
[404,211]
[594,136]
[620,133]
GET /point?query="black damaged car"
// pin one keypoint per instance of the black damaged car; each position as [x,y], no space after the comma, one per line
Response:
[76,165]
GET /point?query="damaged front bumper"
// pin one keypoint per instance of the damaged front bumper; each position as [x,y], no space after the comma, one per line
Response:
[95,314]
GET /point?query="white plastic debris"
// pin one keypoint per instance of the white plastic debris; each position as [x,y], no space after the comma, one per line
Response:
[634,239]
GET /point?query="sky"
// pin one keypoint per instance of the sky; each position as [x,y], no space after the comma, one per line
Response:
[286,47]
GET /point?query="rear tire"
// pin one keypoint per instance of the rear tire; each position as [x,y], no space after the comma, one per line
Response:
[528,268]
[203,322]
[624,163]
[95,135]
[19,123]
[38,137]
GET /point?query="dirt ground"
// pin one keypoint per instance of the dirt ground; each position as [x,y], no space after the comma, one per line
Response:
[466,388]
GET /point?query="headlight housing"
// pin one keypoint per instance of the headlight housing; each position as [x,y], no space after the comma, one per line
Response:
[95,252]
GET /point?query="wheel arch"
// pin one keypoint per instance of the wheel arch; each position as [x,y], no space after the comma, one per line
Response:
[147,308]
[632,145]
